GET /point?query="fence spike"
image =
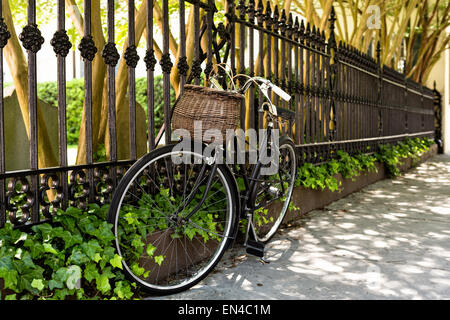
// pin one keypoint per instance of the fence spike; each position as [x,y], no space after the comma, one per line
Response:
[276,15]
[268,14]
[242,8]
[296,29]
[322,38]
[307,34]
[260,13]
[378,52]
[283,25]
[251,11]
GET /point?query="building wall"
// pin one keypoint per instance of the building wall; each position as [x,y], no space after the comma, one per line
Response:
[441,74]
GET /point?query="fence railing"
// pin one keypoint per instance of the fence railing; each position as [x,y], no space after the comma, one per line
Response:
[342,98]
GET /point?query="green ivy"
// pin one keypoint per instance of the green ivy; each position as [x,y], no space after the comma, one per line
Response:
[323,175]
[72,258]
[48,92]
[392,155]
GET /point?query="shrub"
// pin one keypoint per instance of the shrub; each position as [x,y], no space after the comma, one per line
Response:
[48,92]
[322,176]
[72,258]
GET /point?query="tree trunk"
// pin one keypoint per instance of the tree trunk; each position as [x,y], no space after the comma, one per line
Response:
[98,76]
[18,67]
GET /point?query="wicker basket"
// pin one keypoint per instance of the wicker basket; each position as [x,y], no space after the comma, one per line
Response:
[216,109]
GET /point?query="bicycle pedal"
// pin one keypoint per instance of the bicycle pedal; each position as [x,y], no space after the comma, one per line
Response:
[255,248]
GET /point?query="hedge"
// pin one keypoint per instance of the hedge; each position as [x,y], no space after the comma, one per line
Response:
[48,92]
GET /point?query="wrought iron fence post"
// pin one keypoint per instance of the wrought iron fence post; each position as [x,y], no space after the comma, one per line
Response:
[111,57]
[150,62]
[4,36]
[231,17]
[132,58]
[379,90]
[88,51]
[437,101]
[332,81]
[32,41]
[166,66]
[405,101]
[62,46]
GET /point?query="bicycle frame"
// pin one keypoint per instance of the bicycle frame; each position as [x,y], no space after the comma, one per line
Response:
[246,212]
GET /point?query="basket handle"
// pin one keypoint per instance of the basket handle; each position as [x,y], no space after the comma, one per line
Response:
[229,74]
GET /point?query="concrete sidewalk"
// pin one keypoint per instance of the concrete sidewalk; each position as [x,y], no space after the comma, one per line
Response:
[389,241]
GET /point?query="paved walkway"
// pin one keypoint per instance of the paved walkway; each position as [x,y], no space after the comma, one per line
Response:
[389,241]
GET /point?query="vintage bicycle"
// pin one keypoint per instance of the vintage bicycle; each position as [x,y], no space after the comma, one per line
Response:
[177,210]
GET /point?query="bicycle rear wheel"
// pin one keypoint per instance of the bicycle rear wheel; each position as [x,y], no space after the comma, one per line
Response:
[160,251]
[273,193]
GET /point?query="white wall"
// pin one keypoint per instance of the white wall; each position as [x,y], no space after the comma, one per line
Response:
[441,74]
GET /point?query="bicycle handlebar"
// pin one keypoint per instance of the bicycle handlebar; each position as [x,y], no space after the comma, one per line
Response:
[277,90]
[263,84]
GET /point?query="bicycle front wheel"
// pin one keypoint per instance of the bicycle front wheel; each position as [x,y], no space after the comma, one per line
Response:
[160,250]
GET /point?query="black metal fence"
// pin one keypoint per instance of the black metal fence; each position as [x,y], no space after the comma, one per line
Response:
[342,98]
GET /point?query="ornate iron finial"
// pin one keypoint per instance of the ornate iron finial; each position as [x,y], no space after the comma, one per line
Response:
[4,33]
[131,56]
[332,19]
[307,34]
[290,24]
[242,8]
[283,19]
[87,48]
[251,11]
[150,60]
[31,38]
[183,66]
[222,31]
[313,37]
[322,40]
[276,16]
[61,44]
[351,53]
[301,32]
[268,15]
[196,69]
[332,39]
[260,13]
[166,63]
[110,54]
[378,51]
[296,29]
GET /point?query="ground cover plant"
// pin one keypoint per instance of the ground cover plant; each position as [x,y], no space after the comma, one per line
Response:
[72,258]
[323,175]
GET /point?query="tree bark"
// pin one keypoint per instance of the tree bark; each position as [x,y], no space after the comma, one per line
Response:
[98,76]
[18,67]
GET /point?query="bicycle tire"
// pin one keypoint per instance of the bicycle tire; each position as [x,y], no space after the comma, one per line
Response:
[197,264]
